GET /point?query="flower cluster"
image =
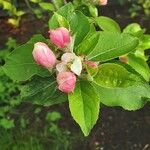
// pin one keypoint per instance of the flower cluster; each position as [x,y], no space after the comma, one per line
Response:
[67,64]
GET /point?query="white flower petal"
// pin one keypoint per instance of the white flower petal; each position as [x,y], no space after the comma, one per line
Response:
[76,67]
[61,67]
[68,57]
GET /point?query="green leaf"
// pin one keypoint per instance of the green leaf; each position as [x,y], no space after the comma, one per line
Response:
[107,24]
[112,45]
[35,1]
[84,106]
[42,91]
[6,123]
[19,13]
[80,26]
[60,21]
[58,3]
[65,11]
[53,116]
[118,87]
[144,42]
[7,5]
[139,65]
[11,43]
[20,65]
[37,38]
[4,110]
[88,44]
[14,22]
[134,29]
[37,110]
[47,6]
[38,13]
[113,75]
[93,10]
[129,98]
[91,71]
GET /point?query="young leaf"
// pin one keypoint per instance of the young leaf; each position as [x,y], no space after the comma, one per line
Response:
[20,65]
[118,87]
[107,24]
[84,106]
[134,29]
[111,45]
[47,6]
[7,5]
[42,91]
[19,13]
[139,65]
[14,21]
[65,11]
[144,42]
[88,44]
[80,26]
[93,10]
[60,21]
[58,3]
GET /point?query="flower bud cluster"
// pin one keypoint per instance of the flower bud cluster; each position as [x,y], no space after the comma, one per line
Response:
[67,65]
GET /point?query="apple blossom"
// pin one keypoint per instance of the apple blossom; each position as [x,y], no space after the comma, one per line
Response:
[66,81]
[76,66]
[61,67]
[92,64]
[43,55]
[68,57]
[70,61]
[123,59]
[103,2]
[60,37]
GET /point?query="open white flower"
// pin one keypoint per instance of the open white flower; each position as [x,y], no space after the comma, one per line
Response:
[68,57]
[76,67]
[61,67]
[69,61]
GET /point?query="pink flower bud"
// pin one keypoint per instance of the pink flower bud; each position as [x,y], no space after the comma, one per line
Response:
[92,64]
[43,55]
[60,37]
[103,2]
[123,59]
[66,81]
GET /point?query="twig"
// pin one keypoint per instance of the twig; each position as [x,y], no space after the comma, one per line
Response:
[145,147]
[29,6]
